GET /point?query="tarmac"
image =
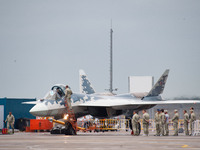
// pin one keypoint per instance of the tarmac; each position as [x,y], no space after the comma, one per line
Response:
[86,141]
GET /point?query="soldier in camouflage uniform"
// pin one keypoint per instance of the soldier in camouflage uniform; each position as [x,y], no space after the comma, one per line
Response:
[68,93]
[186,121]
[135,123]
[145,122]
[162,115]
[192,119]
[166,123]
[175,120]
[158,122]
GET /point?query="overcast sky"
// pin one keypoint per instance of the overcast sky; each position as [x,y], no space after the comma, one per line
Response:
[44,42]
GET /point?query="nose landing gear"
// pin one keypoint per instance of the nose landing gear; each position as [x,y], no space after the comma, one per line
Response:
[70,122]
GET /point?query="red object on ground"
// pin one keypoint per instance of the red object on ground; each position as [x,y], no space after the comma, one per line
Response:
[40,124]
[132,132]
[28,129]
[4,131]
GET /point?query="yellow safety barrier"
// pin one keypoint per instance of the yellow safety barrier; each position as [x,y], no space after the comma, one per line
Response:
[105,124]
[113,124]
[119,124]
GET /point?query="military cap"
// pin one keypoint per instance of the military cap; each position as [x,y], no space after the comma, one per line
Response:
[165,111]
[175,110]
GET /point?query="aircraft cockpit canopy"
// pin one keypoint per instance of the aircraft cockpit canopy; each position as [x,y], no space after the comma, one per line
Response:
[56,92]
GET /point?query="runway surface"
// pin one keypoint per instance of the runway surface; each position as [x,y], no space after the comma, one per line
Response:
[96,141]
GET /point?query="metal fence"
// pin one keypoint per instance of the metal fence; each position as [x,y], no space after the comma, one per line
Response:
[124,124]
[105,124]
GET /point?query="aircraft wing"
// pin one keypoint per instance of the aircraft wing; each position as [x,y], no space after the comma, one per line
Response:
[113,103]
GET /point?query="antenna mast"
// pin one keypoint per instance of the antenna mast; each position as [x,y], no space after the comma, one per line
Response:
[111,60]
[111,63]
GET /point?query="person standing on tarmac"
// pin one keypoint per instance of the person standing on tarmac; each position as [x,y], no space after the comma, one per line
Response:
[68,93]
[175,120]
[135,123]
[145,122]
[157,122]
[192,119]
[162,115]
[166,123]
[10,121]
[186,121]
[191,108]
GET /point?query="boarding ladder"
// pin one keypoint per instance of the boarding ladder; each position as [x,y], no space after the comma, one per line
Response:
[71,118]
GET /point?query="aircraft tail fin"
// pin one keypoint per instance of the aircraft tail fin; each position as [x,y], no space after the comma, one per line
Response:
[158,88]
[85,85]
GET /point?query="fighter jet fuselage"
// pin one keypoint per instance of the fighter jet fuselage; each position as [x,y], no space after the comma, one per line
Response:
[100,105]
[103,109]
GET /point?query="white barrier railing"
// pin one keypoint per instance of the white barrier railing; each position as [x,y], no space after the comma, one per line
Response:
[196,127]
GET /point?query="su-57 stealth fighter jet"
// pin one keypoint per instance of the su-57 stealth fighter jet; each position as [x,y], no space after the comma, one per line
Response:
[101,105]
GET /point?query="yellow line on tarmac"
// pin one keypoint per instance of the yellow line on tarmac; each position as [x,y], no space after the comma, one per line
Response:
[184,146]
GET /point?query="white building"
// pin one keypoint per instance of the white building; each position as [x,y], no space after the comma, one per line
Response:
[140,84]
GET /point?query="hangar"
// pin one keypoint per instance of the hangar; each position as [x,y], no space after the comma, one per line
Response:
[15,106]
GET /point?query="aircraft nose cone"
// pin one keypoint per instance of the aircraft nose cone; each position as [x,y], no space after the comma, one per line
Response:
[39,110]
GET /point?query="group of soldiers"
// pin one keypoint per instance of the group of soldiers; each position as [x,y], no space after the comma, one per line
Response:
[189,119]
[136,123]
[161,120]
